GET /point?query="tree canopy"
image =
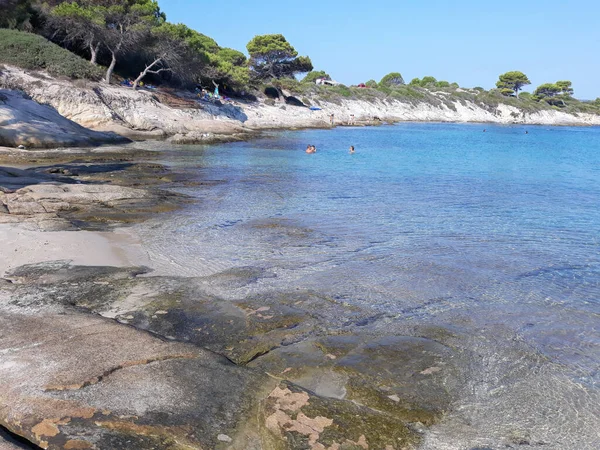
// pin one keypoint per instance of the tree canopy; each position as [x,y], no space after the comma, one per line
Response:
[554,93]
[511,83]
[272,56]
[314,75]
[116,25]
[392,79]
[565,87]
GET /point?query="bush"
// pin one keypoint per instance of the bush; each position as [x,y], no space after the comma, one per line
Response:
[392,79]
[311,77]
[33,52]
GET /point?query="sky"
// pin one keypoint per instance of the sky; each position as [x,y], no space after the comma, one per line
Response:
[470,42]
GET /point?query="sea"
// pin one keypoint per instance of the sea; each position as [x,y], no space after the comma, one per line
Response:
[493,230]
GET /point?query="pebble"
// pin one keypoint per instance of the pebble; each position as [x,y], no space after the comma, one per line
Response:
[224,438]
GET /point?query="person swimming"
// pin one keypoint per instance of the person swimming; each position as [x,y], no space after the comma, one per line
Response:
[352,149]
[311,149]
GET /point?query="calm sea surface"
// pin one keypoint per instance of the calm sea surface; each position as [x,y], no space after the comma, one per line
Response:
[427,222]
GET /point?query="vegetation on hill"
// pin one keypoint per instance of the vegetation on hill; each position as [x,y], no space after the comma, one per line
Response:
[34,52]
[134,39]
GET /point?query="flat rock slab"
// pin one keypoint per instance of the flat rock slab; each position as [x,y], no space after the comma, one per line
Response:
[77,380]
[46,198]
[80,381]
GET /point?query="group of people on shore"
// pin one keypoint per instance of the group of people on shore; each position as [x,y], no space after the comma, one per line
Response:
[312,149]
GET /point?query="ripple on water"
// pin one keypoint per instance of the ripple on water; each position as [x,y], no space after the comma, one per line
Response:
[496,233]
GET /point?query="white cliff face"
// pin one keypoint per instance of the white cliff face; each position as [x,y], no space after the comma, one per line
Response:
[394,110]
[147,114]
[24,122]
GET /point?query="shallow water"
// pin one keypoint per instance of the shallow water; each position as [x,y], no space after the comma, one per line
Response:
[496,232]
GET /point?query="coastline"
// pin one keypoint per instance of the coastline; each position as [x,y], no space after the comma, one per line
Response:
[96,114]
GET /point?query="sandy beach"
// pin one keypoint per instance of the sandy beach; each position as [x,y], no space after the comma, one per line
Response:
[21,246]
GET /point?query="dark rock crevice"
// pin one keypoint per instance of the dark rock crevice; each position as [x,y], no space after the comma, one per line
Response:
[15,441]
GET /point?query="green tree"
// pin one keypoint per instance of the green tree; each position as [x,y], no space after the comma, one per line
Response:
[371,84]
[15,14]
[311,77]
[392,79]
[428,80]
[548,92]
[225,66]
[117,25]
[442,84]
[565,87]
[272,56]
[415,82]
[513,81]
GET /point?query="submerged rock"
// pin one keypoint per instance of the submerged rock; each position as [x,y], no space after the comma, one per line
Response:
[77,380]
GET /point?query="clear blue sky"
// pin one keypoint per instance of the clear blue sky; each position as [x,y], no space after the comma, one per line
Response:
[467,41]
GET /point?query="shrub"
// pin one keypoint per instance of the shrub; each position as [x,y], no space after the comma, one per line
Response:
[371,84]
[392,79]
[33,52]
[311,77]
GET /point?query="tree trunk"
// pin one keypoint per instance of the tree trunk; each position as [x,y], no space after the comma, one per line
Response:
[94,52]
[111,68]
[147,70]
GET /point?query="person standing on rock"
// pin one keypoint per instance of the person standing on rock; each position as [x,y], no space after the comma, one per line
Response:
[331,119]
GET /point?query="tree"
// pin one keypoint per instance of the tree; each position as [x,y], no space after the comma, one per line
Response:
[442,84]
[15,13]
[513,81]
[415,82]
[224,66]
[392,79]
[547,92]
[565,87]
[272,56]
[164,53]
[314,75]
[79,24]
[428,80]
[117,25]
[371,84]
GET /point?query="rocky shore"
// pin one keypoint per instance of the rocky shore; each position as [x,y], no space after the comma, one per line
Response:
[99,352]
[107,355]
[40,111]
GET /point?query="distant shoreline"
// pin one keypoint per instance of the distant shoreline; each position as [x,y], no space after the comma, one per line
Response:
[44,112]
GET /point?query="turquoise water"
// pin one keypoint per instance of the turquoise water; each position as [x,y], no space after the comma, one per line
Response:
[428,222]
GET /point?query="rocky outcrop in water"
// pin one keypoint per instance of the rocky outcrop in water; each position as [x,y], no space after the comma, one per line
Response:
[72,196]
